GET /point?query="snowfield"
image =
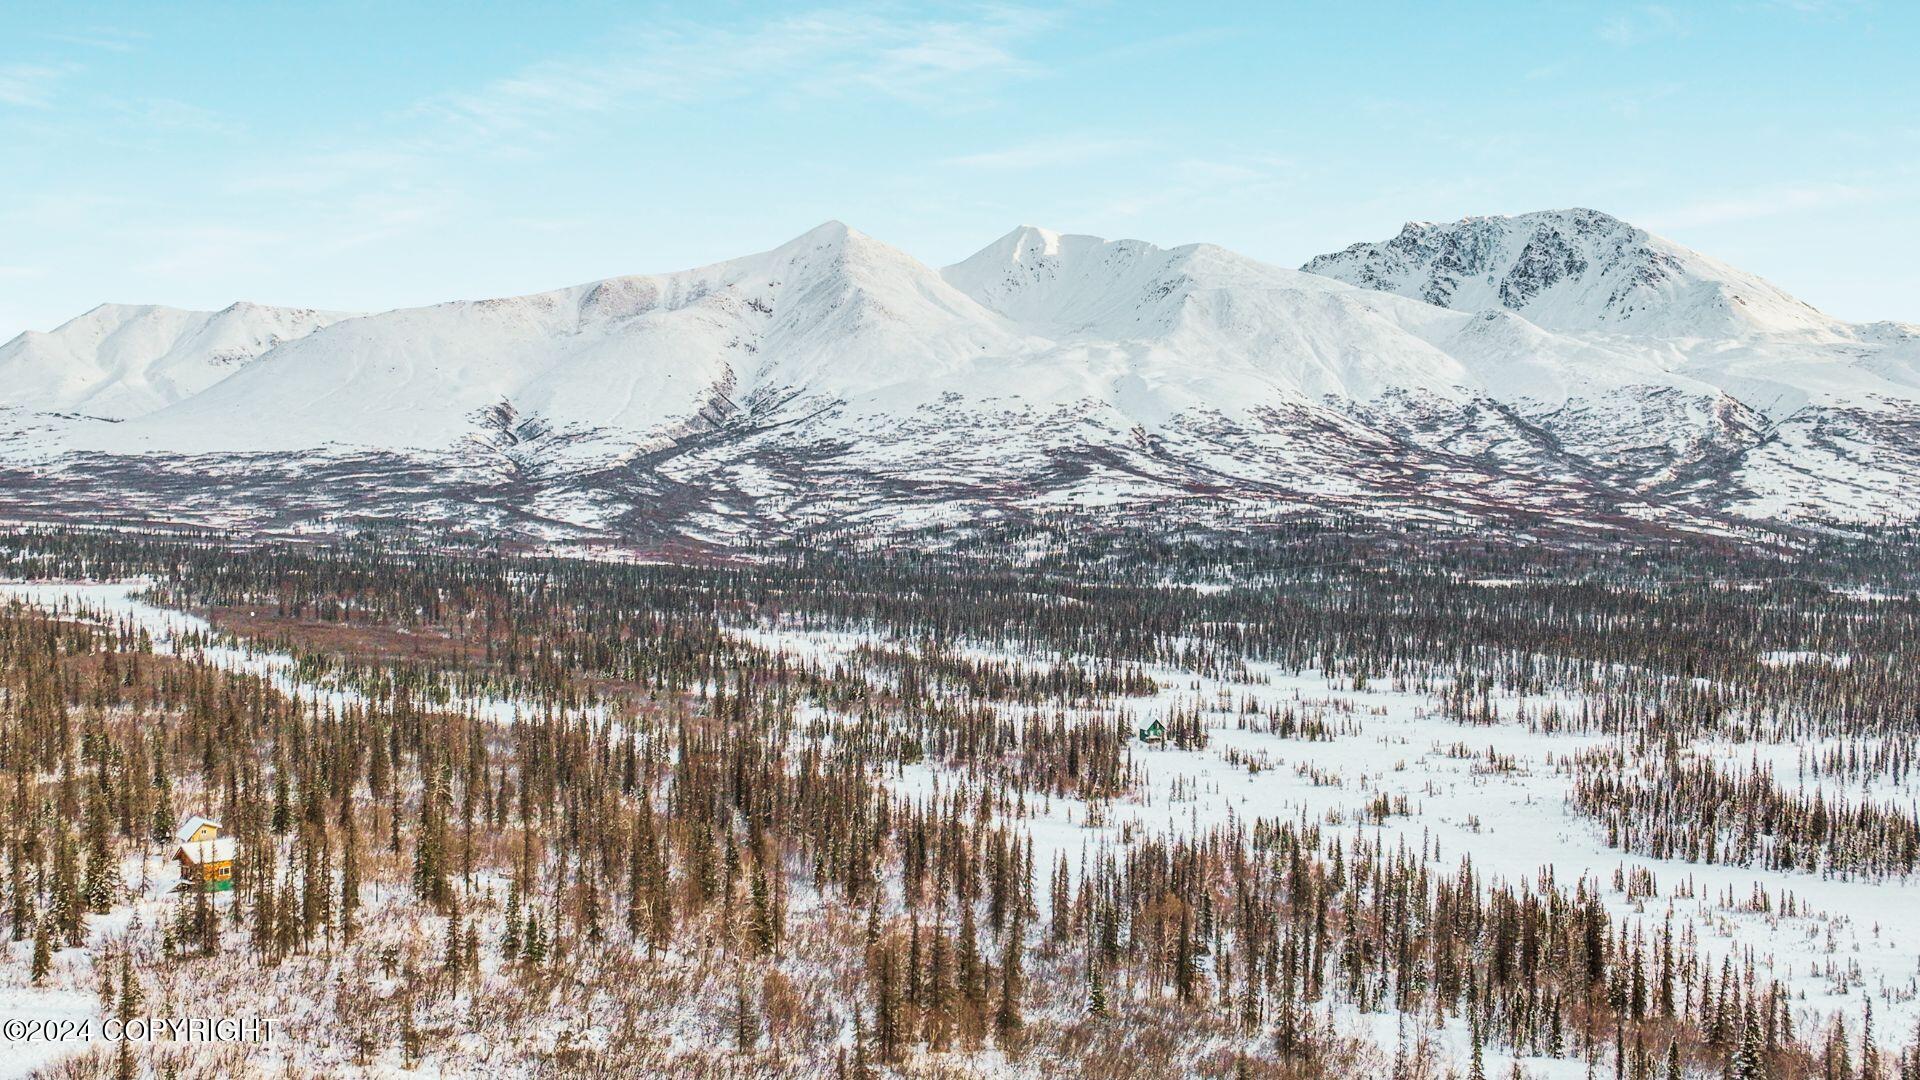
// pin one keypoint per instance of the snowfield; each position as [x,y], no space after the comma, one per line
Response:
[1495,793]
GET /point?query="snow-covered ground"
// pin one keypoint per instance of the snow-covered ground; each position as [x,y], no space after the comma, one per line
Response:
[40,1006]
[166,626]
[149,878]
[1495,793]
[148,883]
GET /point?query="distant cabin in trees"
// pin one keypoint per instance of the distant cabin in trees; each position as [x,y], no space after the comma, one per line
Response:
[206,857]
[197,829]
[1154,732]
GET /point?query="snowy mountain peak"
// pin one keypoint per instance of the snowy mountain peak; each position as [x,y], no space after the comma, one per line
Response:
[1023,245]
[829,233]
[1590,356]
[832,255]
[1057,280]
[123,360]
[1576,270]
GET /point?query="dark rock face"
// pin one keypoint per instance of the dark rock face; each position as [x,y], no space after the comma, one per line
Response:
[1516,259]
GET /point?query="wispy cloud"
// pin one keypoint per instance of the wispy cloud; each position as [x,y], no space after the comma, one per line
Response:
[835,53]
[60,209]
[171,117]
[1633,101]
[1194,180]
[31,86]
[353,188]
[1646,22]
[104,38]
[1825,9]
[407,172]
[1768,202]
[194,250]
[1049,153]
[328,169]
[375,217]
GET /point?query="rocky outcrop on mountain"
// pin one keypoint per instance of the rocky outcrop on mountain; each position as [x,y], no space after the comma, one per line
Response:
[1575,270]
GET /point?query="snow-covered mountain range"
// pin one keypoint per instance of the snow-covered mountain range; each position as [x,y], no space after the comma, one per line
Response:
[1562,368]
[121,360]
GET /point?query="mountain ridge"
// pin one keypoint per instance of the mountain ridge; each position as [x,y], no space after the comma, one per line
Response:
[121,360]
[1574,269]
[834,378]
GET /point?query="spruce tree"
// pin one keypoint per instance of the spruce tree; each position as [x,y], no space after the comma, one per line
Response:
[510,937]
[127,1005]
[535,949]
[42,951]
[746,1028]
[453,955]
[1749,1056]
[1007,1020]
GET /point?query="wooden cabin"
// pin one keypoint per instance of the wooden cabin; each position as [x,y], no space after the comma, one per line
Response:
[196,829]
[1154,732]
[205,857]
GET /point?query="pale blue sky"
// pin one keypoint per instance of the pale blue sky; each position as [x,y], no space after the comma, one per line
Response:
[360,157]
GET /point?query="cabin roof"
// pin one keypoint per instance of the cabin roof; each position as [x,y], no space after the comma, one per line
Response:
[220,850]
[192,825]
